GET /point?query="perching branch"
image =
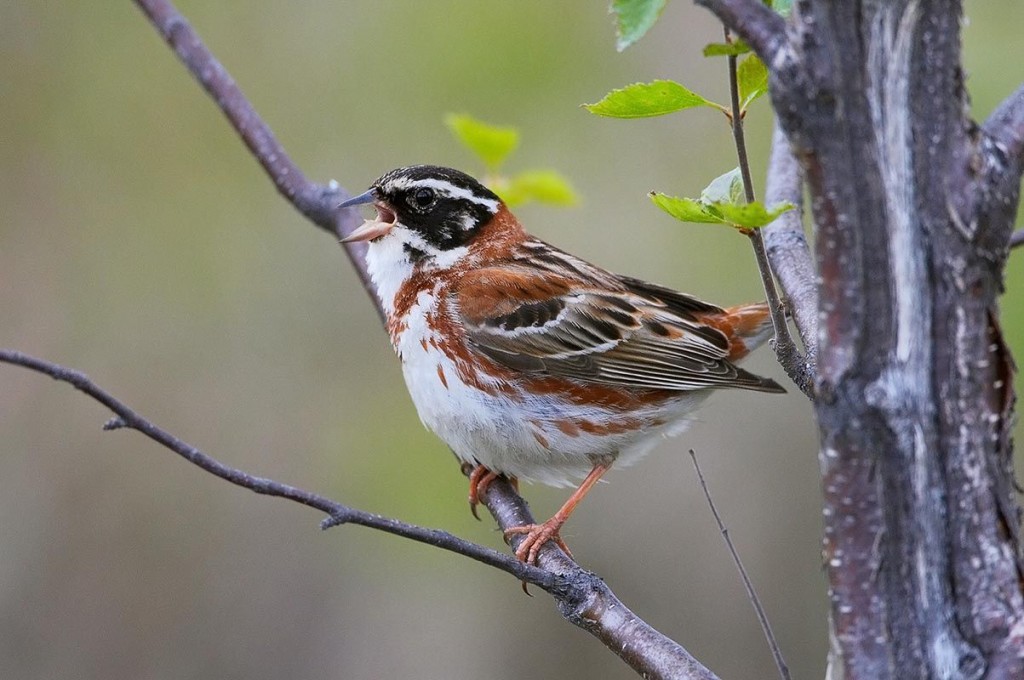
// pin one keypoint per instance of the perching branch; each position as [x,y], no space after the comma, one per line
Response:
[786,244]
[582,597]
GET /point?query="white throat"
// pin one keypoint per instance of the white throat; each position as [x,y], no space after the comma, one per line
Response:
[390,265]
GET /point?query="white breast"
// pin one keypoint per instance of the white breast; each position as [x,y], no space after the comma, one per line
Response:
[514,434]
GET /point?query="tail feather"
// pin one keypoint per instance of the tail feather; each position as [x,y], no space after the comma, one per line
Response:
[751,328]
[747,327]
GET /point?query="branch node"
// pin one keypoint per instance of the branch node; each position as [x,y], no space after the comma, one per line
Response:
[115,423]
[336,519]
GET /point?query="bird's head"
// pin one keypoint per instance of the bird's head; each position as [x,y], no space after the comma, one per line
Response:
[430,210]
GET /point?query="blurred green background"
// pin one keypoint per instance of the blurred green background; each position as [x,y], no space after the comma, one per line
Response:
[141,243]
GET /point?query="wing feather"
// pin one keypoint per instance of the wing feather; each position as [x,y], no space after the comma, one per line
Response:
[617,331]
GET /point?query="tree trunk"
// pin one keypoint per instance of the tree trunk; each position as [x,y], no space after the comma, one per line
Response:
[913,206]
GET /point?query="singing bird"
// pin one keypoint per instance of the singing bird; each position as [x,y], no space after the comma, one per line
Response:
[528,361]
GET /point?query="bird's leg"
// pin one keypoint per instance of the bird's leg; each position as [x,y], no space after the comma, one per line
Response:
[479,479]
[539,534]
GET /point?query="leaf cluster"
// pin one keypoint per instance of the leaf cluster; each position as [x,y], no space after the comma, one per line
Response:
[723,201]
[493,144]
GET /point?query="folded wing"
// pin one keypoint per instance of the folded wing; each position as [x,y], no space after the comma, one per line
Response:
[622,332]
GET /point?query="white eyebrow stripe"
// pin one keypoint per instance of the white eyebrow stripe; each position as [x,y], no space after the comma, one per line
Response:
[447,188]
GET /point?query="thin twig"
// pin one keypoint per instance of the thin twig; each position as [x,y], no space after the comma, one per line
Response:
[762,618]
[338,512]
[736,119]
[786,351]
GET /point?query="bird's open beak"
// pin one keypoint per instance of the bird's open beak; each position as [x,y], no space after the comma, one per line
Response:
[370,229]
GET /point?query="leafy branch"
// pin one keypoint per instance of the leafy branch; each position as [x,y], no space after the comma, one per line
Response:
[729,199]
[795,364]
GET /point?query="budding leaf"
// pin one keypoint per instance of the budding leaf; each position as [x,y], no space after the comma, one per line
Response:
[633,18]
[727,188]
[722,202]
[643,100]
[752,215]
[733,49]
[542,186]
[686,209]
[752,77]
[491,143]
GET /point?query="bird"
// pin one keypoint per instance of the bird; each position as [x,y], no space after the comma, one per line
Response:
[527,361]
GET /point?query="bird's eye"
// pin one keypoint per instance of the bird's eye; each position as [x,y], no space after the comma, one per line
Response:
[422,198]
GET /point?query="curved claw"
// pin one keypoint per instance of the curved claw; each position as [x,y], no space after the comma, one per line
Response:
[536,535]
[539,534]
[479,479]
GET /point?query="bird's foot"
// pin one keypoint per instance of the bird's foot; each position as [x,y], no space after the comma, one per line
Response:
[536,535]
[480,478]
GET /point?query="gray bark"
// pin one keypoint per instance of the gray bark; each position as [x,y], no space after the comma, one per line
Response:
[913,206]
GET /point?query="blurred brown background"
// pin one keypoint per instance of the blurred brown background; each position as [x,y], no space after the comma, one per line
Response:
[140,243]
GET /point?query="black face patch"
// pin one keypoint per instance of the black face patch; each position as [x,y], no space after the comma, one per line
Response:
[445,206]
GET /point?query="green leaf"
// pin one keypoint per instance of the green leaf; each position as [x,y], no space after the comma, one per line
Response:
[752,215]
[643,100]
[752,76]
[491,143]
[733,49]
[633,18]
[542,186]
[686,209]
[722,202]
[727,188]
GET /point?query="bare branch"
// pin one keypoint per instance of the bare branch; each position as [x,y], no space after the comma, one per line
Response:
[762,617]
[758,25]
[1006,126]
[787,246]
[583,598]
[339,513]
